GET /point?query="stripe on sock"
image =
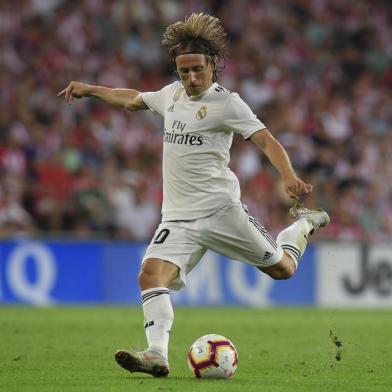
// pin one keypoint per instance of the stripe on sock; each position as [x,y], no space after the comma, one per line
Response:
[153,294]
[294,252]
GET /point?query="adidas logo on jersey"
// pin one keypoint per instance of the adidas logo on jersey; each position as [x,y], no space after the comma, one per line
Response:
[267,255]
[171,109]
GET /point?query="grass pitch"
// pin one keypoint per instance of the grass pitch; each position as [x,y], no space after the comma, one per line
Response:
[296,349]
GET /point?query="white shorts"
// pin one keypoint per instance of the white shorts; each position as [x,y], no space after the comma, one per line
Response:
[230,232]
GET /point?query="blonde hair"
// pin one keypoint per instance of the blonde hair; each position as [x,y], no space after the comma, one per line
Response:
[199,33]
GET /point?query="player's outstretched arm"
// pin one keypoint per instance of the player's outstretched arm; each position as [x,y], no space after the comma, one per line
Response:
[275,152]
[126,98]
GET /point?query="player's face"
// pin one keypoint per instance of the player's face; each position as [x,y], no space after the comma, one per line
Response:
[195,73]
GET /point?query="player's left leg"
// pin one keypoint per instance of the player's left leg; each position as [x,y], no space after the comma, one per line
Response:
[294,239]
[235,234]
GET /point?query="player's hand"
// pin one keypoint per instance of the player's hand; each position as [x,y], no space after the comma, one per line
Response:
[74,90]
[296,188]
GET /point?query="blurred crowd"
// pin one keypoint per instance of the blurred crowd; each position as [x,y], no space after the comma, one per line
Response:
[318,73]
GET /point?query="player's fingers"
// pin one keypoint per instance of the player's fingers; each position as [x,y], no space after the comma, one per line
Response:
[296,189]
[61,93]
[292,194]
[308,188]
[301,188]
[68,94]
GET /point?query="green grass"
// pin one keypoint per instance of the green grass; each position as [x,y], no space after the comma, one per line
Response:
[71,349]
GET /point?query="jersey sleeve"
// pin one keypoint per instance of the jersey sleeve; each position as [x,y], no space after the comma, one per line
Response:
[157,100]
[239,118]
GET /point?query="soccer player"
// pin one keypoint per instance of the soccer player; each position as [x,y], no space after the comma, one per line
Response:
[201,196]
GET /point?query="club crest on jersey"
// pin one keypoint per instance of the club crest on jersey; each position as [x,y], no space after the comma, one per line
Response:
[201,113]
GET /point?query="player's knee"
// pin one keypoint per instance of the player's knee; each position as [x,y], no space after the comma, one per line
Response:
[157,273]
[285,273]
[281,274]
[285,269]
[148,277]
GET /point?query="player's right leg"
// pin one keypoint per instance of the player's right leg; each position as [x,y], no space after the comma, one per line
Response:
[171,242]
[154,279]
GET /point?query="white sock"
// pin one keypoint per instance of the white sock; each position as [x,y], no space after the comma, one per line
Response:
[294,239]
[158,318]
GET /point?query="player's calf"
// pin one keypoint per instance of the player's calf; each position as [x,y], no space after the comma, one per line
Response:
[294,239]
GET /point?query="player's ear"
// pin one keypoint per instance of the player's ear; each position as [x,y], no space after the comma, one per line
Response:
[213,60]
[174,65]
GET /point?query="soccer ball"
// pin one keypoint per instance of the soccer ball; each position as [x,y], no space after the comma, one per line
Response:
[213,356]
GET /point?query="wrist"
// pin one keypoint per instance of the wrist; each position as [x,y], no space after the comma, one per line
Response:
[288,174]
[91,90]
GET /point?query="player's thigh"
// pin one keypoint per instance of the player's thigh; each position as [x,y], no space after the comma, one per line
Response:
[173,243]
[235,234]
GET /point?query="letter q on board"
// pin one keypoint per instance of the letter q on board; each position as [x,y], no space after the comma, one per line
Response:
[38,292]
[256,294]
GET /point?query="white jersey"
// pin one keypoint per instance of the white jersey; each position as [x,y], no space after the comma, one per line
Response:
[198,133]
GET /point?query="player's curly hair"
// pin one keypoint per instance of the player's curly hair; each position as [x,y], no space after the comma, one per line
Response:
[199,33]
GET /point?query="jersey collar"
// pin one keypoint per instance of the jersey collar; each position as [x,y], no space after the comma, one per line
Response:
[205,92]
